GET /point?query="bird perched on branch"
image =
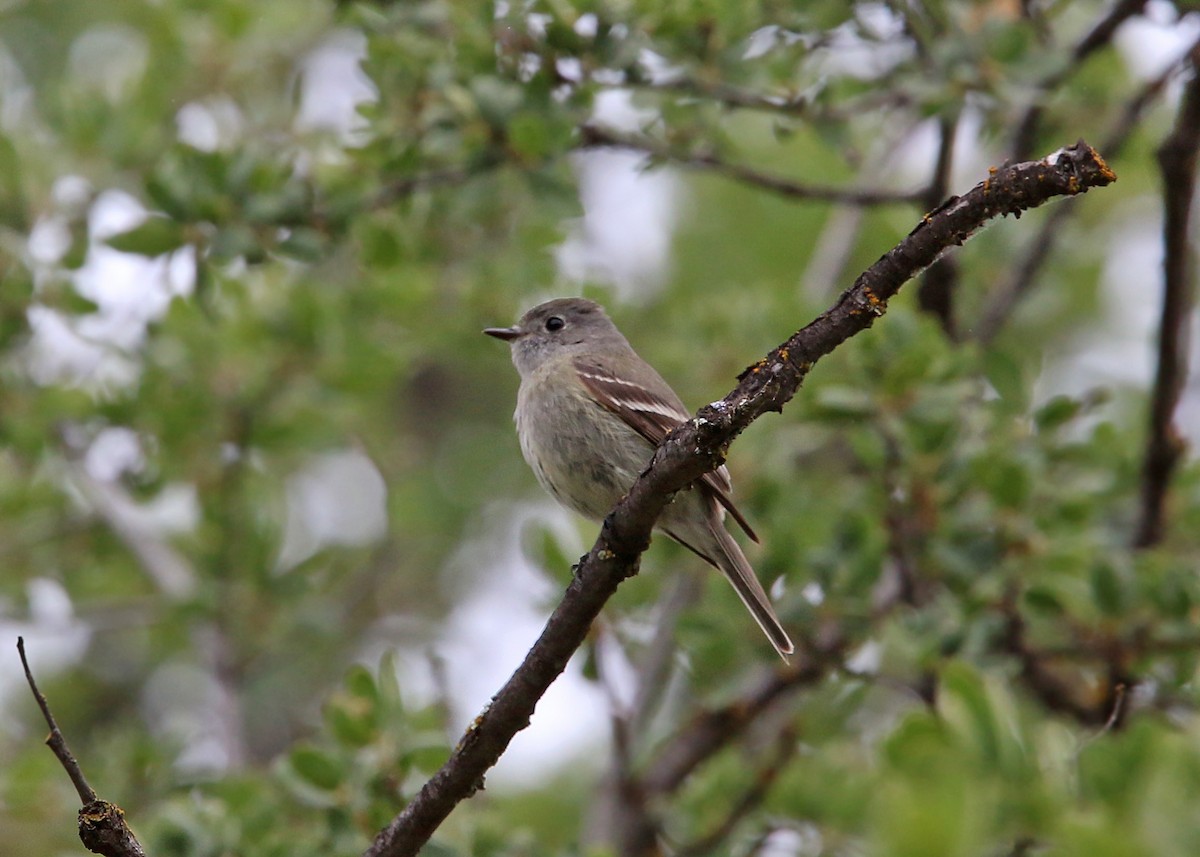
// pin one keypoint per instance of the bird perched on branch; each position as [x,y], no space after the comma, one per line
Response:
[590,413]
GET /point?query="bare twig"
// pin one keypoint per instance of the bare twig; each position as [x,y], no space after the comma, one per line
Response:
[55,740]
[102,827]
[697,447]
[596,137]
[1164,444]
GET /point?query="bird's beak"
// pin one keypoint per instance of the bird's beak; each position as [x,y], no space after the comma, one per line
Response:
[508,334]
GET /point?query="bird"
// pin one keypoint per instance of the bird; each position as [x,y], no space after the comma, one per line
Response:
[590,414]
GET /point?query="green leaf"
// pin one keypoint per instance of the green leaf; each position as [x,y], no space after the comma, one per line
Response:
[1056,412]
[153,237]
[963,690]
[1043,600]
[317,768]
[361,683]
[1108,590]
[1007,378]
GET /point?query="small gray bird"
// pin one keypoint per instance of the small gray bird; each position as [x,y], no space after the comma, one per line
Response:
[590,413]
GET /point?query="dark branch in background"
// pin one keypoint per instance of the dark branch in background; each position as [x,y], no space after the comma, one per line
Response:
[394,191]
[1164,445]
[1054,690]
[102,827]
[1099,36]
[787,105]
[902,580]
[724,94]
[714,729]
[784,748]
[699,446]
[1006,297]
[936,292]
[594,137]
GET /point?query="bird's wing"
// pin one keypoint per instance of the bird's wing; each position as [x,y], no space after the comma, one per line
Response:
[653,416]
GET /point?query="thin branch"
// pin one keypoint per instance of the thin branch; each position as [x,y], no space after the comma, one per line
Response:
[1054,691]
[935,295]
[55,741]
[618,815]
[784,749]
[102,827]
[654,667]
[724,94]
[1004,301]
[594,137]
[697,447]
[714,729]
[905,534]
[393,192]
[1164,444]
[791,105]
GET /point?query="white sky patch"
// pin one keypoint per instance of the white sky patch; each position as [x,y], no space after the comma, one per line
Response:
[130,291]
[500,612]
[54,640]
[624,237]
[848,54]
[114,452]
[109,59]
[802,840]
[1118,350]
[210,125]
[186,707]
[760,42]
[914,157]
[587,25]
[332,85]
[1154,41]
[338,498]
[629,213]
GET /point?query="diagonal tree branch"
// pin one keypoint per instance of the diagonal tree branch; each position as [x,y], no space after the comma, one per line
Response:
[713,729]
[1164,446]
[594,137]
[697,447]
[786,744]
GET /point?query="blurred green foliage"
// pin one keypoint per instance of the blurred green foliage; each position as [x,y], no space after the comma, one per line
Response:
[1004,672]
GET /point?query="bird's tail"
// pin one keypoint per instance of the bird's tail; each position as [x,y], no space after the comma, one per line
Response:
[736,567]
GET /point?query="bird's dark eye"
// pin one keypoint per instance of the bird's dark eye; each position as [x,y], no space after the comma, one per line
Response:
[554,323]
